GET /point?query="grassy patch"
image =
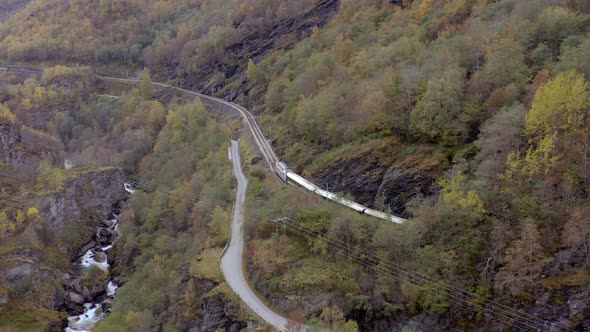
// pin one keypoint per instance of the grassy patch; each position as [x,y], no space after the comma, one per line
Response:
[421,159]
[224,290]
[75,171]
[579,279]
[206,265]
[27,320]
[220,227]
[314,273]
[384,150]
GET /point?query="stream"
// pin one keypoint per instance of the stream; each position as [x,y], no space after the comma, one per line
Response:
[105,237]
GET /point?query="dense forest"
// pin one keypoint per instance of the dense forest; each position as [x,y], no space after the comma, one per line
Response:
[469,117]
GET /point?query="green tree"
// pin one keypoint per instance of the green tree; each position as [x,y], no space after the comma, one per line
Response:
[350,326]
[146,88]
[504,64]
[540,55]
[574,55]
[430,299]
[436,113]
[556,23]
[251,72]
[314,221]
[49,178]
[20,218]
[332,317]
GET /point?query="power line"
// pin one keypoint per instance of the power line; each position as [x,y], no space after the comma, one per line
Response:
[337,245]
[416,278]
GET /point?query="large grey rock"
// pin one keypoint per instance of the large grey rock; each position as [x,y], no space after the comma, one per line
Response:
[578,303]
[104,236]
[107,304]
[100,256]
[18,273]
[76,298]
[84,248]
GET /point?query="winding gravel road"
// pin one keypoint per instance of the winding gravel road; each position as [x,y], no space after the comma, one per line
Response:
[232,259]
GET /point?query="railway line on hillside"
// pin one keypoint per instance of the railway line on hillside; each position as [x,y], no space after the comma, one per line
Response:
[274,163]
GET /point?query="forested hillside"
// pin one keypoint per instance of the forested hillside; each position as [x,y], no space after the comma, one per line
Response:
[48,207]
[469,117]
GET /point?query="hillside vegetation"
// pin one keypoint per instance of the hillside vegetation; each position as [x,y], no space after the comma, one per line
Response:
[470,117]
[144,131]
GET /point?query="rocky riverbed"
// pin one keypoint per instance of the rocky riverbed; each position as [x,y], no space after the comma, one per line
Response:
[89,296]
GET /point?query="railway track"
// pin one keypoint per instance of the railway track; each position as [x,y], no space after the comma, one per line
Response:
[263,144]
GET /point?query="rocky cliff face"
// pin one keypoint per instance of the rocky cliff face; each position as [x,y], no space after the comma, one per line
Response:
[10,138]
[375,184]
[36,258]
[284,35]
[84,201]
[15,155]
[68,214]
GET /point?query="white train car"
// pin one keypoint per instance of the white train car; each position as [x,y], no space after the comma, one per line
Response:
[383,215]
[353,205]
[290,177]
[281,169]
[302,182]
[346,202]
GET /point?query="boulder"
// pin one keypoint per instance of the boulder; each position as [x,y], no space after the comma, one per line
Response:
[578,303]
[18,273]
[56,326]
[75,285]
[107,305]
[85,247]
[76,298]
[100,256]
[86,293]
[107,223]
[96,293]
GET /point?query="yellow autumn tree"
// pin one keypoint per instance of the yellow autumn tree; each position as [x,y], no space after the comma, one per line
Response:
[558,126]
[465,205]
[20,218]
[33,214]
[6,115]
[4,223]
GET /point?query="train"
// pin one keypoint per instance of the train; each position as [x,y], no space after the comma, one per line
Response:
[281,169]
[290,177]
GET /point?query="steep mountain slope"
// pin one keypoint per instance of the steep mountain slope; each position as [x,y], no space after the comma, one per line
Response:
[165,241]
[9,7]
[468,116]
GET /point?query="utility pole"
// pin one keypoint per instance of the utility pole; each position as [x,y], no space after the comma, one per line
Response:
[278,240]
[278,234]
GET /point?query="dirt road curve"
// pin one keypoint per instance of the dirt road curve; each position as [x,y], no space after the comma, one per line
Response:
[231,261]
